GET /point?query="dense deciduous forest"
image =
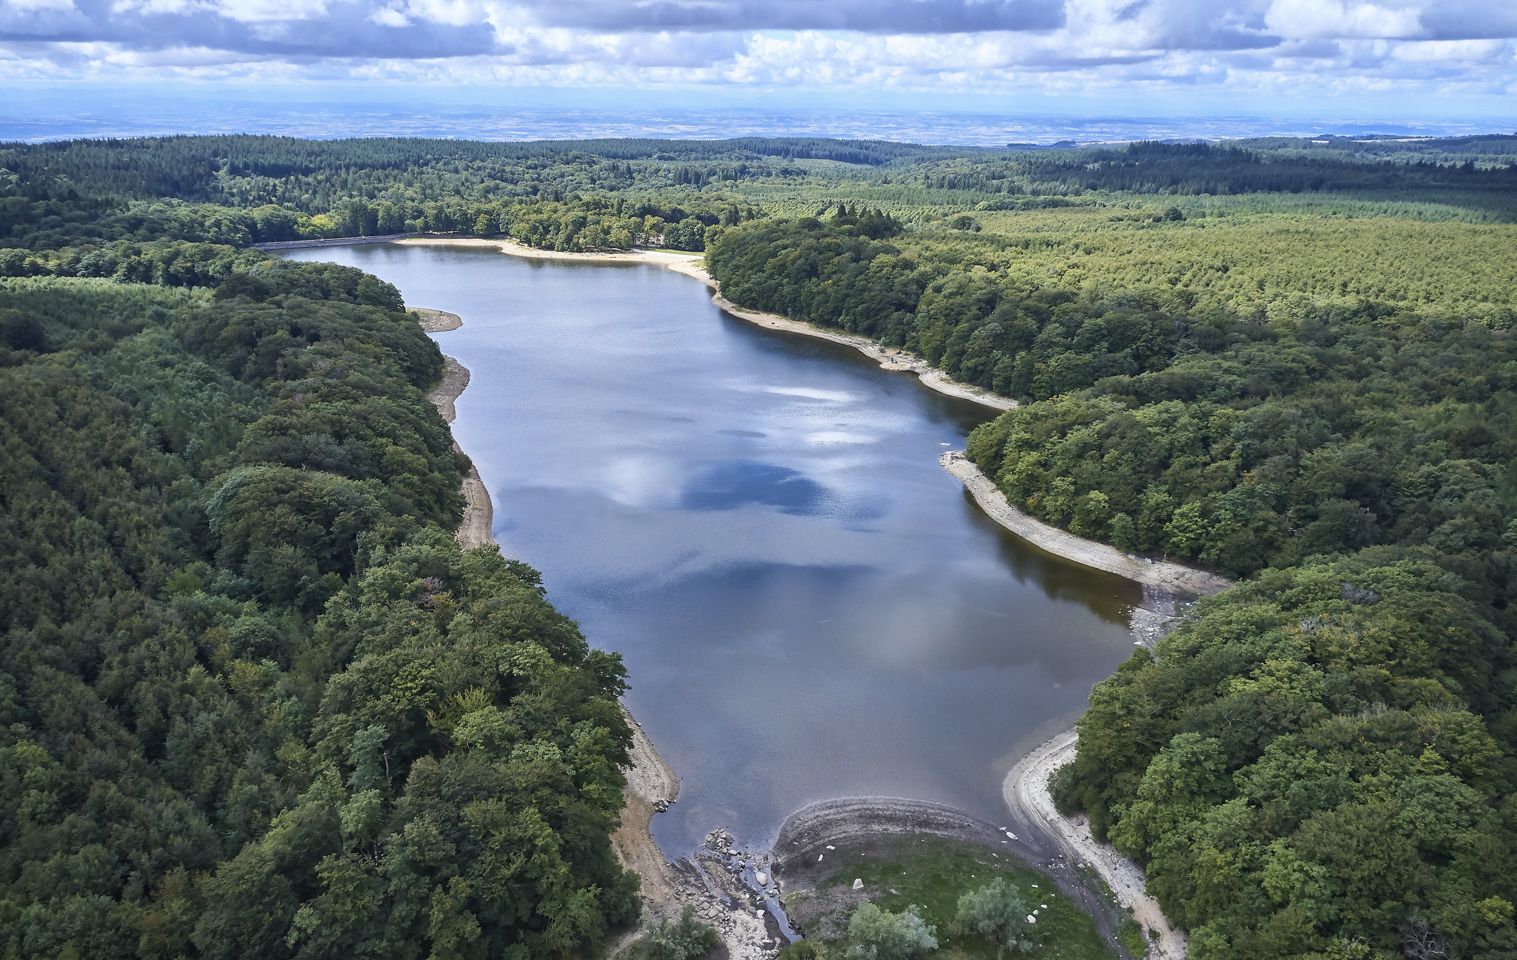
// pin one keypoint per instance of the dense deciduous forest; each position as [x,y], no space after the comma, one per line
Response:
[1318,763]
[256,701]
[1287,360]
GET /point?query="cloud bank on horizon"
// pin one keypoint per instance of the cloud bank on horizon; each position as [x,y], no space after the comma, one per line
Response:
[1263,48]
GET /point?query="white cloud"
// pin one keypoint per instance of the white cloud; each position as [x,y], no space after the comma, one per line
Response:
[1318,47]
[1339,19]
[162,7]
[263,11]
[1444,51]
[389,17]
[35,6]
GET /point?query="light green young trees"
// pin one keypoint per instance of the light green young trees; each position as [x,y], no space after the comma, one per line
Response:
[681,939]
[996,911]
[875,934]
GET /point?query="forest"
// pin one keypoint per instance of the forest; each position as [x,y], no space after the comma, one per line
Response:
[256,701]
[255,694]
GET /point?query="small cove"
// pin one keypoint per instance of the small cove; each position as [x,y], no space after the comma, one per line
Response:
[808,605]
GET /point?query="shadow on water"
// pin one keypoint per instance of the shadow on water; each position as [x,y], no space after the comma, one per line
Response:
[729,484]
[1107,595]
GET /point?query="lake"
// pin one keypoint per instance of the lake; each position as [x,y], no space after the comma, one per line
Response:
[808,605]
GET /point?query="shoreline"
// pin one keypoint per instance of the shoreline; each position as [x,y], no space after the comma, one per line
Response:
[1162,575]
[827,828]
[1026,793]
[1025,787]
[691,265]
[477,527]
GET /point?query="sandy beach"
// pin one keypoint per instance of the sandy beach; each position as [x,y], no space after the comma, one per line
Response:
[476,530]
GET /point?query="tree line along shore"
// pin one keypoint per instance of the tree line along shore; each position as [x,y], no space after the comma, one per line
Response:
[1287,364]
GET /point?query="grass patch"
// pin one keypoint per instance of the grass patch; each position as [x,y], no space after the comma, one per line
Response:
[1133,938]
[932,873]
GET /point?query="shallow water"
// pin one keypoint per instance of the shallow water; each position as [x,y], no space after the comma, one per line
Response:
[809,606]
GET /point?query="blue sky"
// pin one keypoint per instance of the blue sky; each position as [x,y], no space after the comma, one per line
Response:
[1426,59]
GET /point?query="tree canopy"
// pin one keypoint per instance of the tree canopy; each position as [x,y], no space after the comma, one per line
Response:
[257,702]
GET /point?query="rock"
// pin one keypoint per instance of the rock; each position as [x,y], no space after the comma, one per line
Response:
[858,884]
[819,857]
[761,878]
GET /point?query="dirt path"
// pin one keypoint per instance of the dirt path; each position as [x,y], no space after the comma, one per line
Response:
[691,265]
[1026,792]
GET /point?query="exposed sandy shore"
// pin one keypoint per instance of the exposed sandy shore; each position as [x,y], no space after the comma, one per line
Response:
[476,530]
[1026,792]
[1100,556]
[690,264]
[651,787]
[437,321]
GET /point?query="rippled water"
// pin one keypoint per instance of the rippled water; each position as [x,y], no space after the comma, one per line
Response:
[808,604]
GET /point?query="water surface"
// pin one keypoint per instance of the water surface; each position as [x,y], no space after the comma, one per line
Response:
[809,606]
